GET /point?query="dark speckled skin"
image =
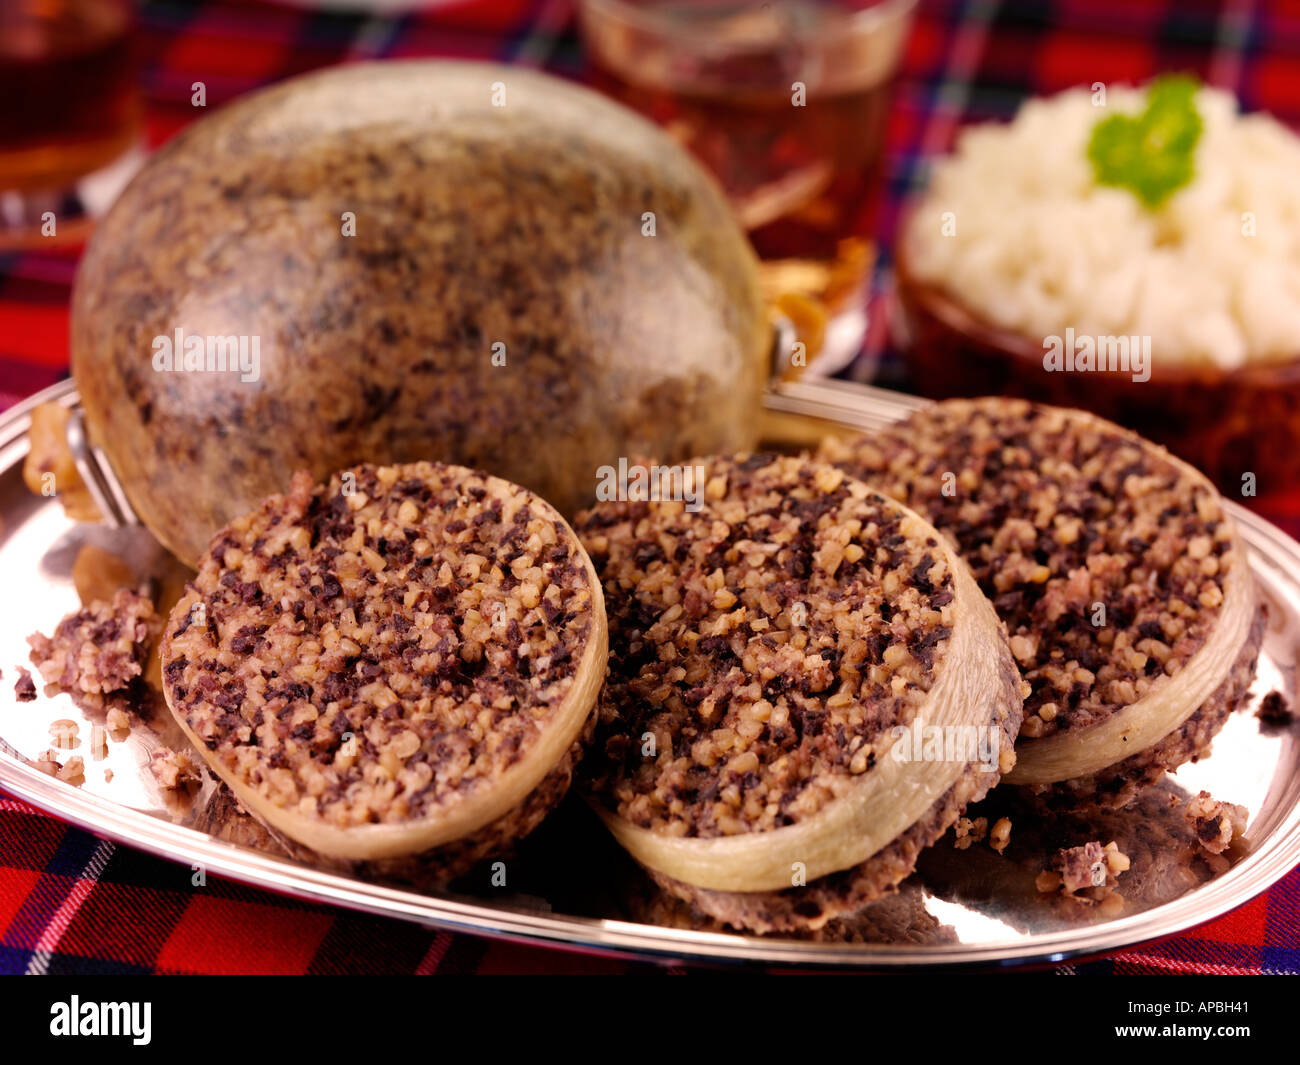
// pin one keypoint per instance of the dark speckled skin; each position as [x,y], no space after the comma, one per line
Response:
[474,224]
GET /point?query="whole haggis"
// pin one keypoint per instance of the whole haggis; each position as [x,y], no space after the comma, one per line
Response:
[432,260]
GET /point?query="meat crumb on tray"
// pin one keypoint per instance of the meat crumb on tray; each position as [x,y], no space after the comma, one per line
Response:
[98,650]
[174,770]
[1216,824]
[1087,873]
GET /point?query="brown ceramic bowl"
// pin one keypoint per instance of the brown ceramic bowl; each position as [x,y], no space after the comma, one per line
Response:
[1229,423]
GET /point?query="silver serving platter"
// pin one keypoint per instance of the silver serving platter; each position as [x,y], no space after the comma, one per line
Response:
[569,885]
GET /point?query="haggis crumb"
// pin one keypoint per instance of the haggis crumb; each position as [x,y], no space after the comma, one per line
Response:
[1275,710]
[73,771]
[1089,872]
[173,769]
[967,831]
[1001,834]
[24,687]
[1215,823]
[99,649]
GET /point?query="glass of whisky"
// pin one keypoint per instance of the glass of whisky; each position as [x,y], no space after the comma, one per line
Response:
[786,102]
[70,118]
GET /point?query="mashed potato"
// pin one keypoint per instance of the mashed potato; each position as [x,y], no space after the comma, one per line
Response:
[1015,226]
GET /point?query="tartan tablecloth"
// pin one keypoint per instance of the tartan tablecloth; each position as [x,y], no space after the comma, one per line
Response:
[72,903]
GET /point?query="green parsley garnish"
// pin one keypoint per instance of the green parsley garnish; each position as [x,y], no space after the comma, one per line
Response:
[1150,154]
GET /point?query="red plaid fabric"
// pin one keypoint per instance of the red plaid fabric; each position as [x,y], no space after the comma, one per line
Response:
[71,903]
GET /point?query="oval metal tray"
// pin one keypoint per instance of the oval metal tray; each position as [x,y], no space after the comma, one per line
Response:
[569,886]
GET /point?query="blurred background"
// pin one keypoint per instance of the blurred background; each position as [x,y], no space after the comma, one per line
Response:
[90,86]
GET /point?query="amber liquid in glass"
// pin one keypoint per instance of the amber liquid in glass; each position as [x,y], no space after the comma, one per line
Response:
[799,171]
[68,91]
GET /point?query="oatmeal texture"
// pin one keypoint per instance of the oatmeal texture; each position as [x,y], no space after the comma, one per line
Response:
[1216,824]
[762,648]
[797,910]
[174,770]
[1104,558]
[99,650]
[1119,785]
[969,830]
[1090,871]
[452,863]
[366,651]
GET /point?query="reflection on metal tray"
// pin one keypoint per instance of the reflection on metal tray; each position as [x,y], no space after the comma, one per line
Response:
[569,885]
